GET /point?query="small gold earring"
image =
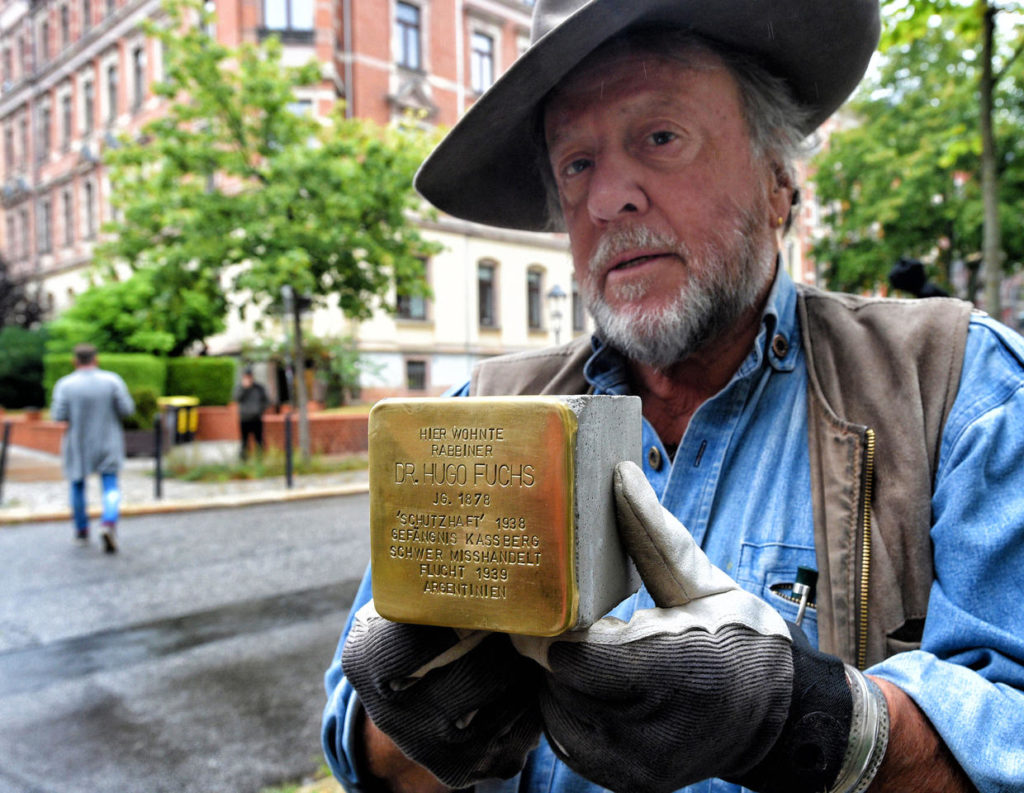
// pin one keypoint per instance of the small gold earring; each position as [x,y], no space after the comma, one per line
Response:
[779,222]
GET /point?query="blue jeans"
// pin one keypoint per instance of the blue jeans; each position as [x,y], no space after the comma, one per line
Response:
[111,501]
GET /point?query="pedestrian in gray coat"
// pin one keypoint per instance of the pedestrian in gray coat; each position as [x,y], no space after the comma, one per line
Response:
[93,402]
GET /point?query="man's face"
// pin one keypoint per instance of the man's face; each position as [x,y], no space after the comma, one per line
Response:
[668,214]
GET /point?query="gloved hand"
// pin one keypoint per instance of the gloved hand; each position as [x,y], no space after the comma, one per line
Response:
[461,704]
[709,684]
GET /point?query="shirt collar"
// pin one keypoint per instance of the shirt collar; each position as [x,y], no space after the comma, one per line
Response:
[777,343]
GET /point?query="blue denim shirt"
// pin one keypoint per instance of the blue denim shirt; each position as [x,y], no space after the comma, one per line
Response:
[740,482]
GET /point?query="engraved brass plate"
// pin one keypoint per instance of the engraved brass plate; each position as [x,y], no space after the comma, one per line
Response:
[471,513]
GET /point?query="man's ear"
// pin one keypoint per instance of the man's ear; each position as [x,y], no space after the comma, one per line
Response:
[783,195]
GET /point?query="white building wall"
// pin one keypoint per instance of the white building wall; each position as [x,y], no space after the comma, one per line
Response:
[451,338]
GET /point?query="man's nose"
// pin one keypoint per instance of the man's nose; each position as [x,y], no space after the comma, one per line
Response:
[615,191]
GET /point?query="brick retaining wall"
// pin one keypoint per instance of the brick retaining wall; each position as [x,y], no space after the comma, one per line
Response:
[330,433]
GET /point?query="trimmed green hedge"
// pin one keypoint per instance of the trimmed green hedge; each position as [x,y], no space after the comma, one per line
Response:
[138,370]
[21,368]
[210,379]
[146,408]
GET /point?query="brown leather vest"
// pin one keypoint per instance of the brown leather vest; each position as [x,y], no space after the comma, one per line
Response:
[882,377]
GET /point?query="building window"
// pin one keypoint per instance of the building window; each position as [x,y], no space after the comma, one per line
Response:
[86,14]
[12,237]
[8,148]
[111,93]
[44,40]
[45,227]
[416,375]
[44,138]
[111,7]
[138,78]
[65,26]
[407,24]
[481,64]
[288,15]
[90,210]
[578,318]
[413,306]
[534,298]
[485,280]
[69,219]
[8,65]
[65,121]
[23,125]
[23,215]
[88,106]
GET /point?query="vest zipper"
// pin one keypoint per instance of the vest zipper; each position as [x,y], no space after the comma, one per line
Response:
[865,566]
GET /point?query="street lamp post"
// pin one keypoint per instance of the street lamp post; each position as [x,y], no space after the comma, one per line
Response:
[556,300]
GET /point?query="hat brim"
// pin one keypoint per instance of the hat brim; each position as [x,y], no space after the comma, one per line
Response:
[486,170]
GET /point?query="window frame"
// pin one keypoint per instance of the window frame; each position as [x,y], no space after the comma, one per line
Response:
[69,217]
[492,290]
[44,138]
[410,362]
[408,32]
[89,200]
[291,29]
[65,26]
[578,308]
[12,235]
[535,298]
[9,153]
[44,41]
[138,56]
[477,81]
[88,105]
[67,123]
[111,70]
[44,226]
[404,303]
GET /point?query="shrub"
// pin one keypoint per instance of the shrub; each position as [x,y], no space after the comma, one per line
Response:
[211,379]
[146,408]
[21,367]
[137,369]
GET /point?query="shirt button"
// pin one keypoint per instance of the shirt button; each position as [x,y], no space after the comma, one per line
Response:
[654,458]
[780,346]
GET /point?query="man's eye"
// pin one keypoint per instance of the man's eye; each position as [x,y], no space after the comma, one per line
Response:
[576,167]
[662,137]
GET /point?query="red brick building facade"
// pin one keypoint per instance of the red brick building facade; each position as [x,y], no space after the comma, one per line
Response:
[77,72]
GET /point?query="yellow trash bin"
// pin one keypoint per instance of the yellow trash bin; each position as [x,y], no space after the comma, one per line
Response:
[181,417]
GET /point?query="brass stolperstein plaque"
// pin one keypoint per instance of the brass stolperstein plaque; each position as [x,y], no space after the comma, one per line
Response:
[471,513]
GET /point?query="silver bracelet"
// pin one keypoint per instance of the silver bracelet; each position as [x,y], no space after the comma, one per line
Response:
[869,735]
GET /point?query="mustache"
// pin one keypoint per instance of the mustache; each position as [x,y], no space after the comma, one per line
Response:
[622,240]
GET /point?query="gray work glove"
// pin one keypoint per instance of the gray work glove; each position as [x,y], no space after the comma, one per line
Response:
[462,704]
[712,683]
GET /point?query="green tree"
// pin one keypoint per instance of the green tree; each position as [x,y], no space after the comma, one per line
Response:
[19,303]
[909,177]
[236,183]
[158,310]
[21,367]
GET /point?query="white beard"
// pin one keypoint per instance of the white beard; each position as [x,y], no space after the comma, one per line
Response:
[725,279]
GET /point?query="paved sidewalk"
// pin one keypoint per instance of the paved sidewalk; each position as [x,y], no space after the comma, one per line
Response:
[34,488]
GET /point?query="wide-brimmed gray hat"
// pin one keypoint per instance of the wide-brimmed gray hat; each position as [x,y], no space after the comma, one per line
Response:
[486,168]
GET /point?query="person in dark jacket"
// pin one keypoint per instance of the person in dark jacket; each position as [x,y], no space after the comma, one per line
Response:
[252,401]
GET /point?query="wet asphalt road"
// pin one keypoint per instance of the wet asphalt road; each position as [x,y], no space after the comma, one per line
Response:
[190,662]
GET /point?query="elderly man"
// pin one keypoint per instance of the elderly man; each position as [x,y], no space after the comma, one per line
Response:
[93,402]
[875,441]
